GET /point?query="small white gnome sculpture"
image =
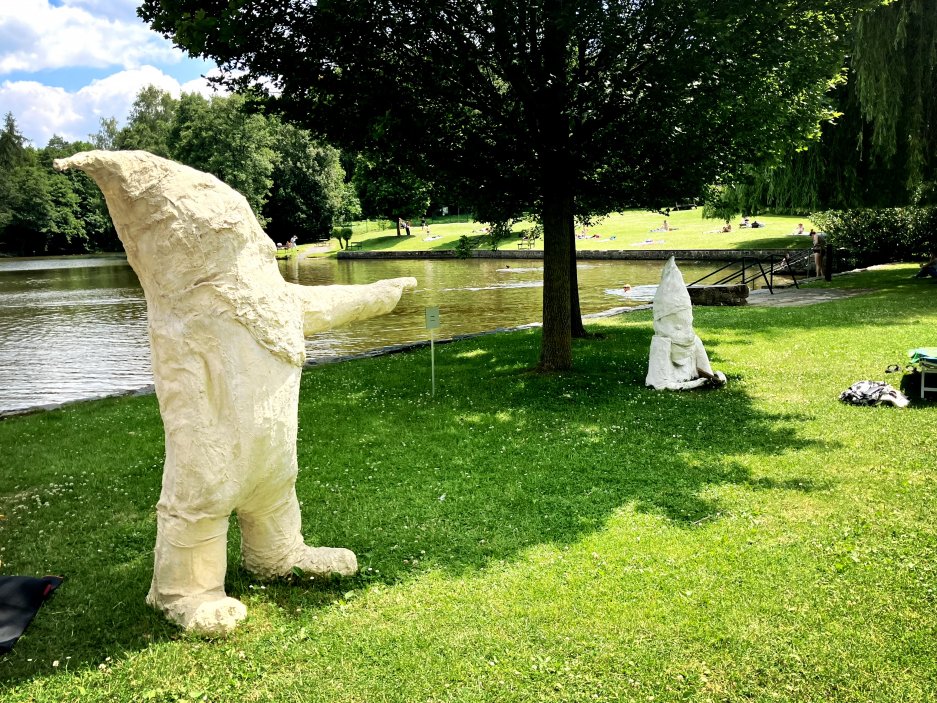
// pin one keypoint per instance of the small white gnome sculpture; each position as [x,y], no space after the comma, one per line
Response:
[226,333]
[678,360]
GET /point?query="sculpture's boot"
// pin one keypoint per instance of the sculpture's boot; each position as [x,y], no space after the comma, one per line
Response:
[188,574]
[272,543]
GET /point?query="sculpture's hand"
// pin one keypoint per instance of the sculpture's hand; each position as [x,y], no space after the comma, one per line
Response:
[404,283]
[325,307]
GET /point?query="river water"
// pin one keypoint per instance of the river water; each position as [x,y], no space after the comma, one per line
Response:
[73,328]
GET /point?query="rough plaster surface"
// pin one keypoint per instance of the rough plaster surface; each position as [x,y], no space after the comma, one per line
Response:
[226,333]
[678,360]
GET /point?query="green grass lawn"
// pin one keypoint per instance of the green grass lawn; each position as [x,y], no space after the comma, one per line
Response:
[573,537]
[625,230]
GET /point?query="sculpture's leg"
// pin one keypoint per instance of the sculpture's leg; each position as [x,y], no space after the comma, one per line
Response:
[272,543]
[188,574]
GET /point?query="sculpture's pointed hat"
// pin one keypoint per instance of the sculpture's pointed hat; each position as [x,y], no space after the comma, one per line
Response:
[672,296]
[140,187]
[186,231]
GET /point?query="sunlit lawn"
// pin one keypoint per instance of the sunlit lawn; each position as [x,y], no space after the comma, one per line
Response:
[626,230]
[573,537]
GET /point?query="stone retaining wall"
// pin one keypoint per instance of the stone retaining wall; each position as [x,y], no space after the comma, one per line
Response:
[719,295]
[609,254]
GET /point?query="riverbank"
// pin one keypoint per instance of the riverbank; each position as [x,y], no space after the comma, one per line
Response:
[93,310]
[119,364]
[585,255]
[527,537]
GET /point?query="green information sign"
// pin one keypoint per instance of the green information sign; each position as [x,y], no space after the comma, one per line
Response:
[432,318]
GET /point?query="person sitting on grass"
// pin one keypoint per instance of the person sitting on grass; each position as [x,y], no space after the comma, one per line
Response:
[929,268]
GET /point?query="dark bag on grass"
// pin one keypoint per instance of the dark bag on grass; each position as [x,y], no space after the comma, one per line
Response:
[20,600]
[910,382]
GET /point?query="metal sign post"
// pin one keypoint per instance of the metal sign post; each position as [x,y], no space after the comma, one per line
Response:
[432,323]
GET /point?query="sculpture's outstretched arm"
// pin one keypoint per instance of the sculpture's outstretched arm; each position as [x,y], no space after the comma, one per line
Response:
[325,307]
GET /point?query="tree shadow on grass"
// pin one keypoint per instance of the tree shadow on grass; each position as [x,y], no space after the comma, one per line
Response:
[777,241]
[527,460]
[499,461]
[385,242]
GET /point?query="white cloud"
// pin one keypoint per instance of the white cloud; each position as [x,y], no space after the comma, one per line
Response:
[42,110]
[114,9]
[35,35]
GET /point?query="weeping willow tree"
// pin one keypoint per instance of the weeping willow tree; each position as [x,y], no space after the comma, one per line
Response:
[895,62]
[881,148]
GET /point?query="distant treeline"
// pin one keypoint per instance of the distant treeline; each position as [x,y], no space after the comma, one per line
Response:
[295,185]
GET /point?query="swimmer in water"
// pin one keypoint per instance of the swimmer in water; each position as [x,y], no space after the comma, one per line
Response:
[626,287]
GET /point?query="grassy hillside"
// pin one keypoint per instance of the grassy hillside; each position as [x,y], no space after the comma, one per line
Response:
[626,230]
[521,537]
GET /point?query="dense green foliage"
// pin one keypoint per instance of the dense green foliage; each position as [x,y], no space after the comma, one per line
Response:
[552,107]
[220,136]
[343,236]
[523,537]
[151,121]
[498,232]
[882,234]
[294,184]
[464,246]
[42,211]
[880,149]
[390,191]
[895,61]
[309,192]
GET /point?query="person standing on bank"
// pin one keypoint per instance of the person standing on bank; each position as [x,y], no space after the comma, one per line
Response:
[819,245]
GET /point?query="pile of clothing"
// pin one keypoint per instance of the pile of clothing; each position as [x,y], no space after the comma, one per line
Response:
[874,393]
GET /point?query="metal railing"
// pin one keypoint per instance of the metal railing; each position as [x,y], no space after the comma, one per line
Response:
[756,266]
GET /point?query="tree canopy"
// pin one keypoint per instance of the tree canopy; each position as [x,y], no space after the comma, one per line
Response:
[42,211]
[387,189]
[295,184]
[561,108]
[881,148]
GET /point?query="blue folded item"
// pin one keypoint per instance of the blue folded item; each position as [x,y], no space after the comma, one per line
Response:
[20,600]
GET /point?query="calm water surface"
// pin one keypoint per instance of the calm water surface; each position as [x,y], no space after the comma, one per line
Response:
[75,328]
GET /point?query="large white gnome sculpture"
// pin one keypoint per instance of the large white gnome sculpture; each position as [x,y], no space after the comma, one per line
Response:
[678,360]
[226,333]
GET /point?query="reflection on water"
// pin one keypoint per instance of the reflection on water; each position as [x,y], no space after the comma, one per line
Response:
[70,329]
[472,295]
[73,328]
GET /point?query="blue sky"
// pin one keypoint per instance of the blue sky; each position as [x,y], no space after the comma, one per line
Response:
[65,64]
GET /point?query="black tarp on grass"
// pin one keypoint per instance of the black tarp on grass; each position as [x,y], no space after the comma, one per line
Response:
[20,600]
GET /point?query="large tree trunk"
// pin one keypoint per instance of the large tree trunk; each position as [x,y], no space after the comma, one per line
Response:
[577,329]
[556,348]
